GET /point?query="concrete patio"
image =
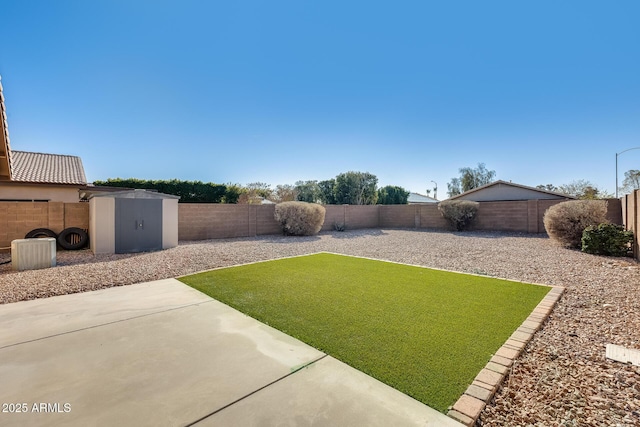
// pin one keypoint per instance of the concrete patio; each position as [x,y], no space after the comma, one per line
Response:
[164,354]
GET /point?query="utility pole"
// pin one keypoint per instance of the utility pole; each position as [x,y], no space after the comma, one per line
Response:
[435,190]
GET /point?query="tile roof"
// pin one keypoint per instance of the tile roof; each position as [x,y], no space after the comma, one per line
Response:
[47,168]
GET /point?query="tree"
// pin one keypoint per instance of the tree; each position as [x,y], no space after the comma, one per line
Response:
[454,187]
[392,195]
[327,193]
[583,189]
[631,181]
[470,179]
[232,194]
[188,191]
[548,187]
[254,193]
[284,193]
[356,188]
[308,191]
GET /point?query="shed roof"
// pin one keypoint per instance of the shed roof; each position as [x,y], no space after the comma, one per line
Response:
[503,191]
[47,168]
[135,194]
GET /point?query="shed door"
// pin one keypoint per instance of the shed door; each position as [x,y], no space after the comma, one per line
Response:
[138,225]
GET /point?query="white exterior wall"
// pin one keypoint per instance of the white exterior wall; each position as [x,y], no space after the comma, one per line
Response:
[169,223]
[102,225]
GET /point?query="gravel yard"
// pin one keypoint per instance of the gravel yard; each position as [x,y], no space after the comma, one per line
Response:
[562,378]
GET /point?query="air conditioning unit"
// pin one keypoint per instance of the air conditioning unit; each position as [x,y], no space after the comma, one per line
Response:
[32,254]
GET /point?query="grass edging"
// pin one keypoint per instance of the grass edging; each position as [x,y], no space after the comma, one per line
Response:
[469,406]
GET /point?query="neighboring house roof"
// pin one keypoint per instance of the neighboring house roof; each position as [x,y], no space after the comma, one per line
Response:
[504,191]
[47,168]
[5,148]
[420,198]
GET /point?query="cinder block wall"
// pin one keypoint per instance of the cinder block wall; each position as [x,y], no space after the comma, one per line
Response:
[201,221]
[614,211]
[215,221]
[430,217]
[503,216]
[18,218]
[399,216]
[631,213]
[367,216]
[265,224]
[335,214]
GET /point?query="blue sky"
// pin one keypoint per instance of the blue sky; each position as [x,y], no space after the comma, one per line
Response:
[279,91]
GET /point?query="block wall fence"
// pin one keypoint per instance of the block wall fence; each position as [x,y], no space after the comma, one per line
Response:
[215,221]
[631,218]
[199,221]
[18,218]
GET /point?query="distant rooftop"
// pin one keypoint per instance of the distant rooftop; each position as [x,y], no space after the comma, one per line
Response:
[420,198]
[47,168]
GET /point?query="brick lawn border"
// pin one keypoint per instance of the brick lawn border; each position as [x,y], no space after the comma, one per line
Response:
[469,406]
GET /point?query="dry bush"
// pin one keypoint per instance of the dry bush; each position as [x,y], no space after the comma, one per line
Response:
[459,213]
[300,218]
[566,221]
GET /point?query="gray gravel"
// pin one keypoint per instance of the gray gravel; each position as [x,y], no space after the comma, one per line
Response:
[562,378]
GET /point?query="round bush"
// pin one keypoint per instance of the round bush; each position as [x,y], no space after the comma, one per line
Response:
[300,218]
[607,239]
[566,221]
[459,213]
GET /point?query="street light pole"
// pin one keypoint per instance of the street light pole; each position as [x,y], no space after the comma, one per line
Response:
[617,154]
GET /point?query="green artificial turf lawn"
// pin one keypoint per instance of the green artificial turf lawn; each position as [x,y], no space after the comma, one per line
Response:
[424,332]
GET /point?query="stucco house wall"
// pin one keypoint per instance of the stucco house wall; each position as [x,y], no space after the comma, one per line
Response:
[10,191]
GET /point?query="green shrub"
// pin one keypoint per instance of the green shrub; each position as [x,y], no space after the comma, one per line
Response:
[189,191]
[607,239]
[300,218]
[566,221]
[339,226]
[459,213]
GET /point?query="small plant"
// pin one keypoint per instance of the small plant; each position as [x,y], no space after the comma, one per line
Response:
[339,226]
[566,221]
[607,239]
[459,213]
[300,218]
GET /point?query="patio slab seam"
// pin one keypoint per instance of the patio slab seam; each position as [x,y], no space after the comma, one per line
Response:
[104,324]
[473,401]
[294,371]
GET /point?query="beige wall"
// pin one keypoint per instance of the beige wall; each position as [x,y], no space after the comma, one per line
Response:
[169,223]
[631,215]
[102,225]
[215,221]
[29,192]
[18,218]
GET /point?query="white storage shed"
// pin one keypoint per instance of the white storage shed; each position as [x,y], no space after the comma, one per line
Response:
[132,221]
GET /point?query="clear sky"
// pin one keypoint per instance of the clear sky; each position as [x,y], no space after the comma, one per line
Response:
[542,92]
